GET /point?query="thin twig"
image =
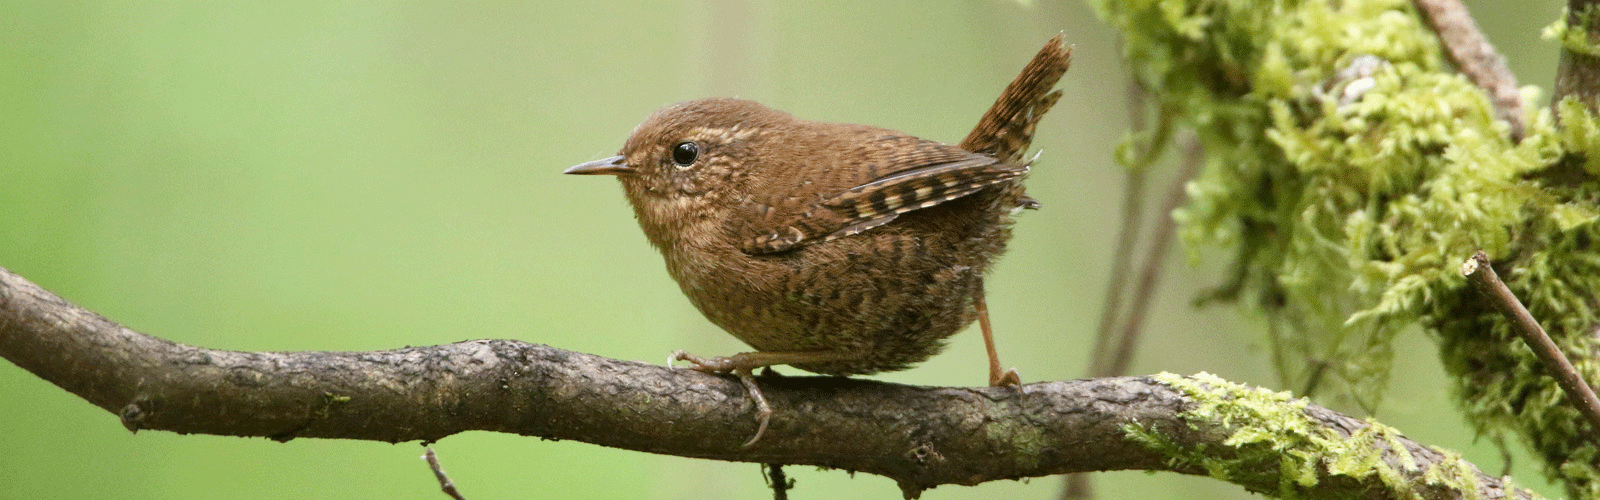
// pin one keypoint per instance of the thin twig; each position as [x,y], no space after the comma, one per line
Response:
[780,482]
[1475,57]
[1127,234]
[1150,273]
[1485,280]
[445,484]
[1103,364]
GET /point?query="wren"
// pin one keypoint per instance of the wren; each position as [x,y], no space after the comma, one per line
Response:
[837,249]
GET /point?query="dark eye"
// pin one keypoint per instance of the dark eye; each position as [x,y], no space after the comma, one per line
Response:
[685,153]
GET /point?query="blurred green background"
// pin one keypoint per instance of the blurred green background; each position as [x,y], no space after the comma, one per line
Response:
[367,175]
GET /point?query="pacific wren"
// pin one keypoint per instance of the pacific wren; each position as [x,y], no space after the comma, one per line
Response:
[837,249]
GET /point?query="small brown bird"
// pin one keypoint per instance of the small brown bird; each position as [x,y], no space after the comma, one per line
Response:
[837,249]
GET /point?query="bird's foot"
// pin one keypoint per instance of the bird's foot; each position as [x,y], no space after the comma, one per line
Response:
[739,365]
[1008,378]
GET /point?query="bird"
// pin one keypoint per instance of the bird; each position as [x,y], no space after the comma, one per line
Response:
[838,249]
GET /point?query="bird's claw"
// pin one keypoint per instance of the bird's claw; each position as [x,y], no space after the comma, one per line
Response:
[1008,378]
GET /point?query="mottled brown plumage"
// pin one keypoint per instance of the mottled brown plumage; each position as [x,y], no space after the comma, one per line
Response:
[838,249]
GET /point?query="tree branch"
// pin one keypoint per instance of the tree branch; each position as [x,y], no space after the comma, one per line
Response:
[445,484]
[920,436]
[1161,238]
[1472,53]
[1481,274]
[1578,74]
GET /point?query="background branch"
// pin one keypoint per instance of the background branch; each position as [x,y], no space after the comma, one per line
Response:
[1578,75]
[1161,239]
[446,486]
[919,436]
[1472,53]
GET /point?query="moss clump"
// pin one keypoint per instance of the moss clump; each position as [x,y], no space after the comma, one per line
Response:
[1352,172]
[1273,442]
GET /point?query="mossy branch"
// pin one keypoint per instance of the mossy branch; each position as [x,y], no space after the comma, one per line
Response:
[1578,76]
[1350,168]
[920,436]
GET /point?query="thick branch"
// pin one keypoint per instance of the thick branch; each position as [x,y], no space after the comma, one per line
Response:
[919,436]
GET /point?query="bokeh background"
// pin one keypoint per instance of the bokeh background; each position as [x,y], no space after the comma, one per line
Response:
[310,175]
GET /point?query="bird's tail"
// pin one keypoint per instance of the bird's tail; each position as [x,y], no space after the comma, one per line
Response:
[1006,129]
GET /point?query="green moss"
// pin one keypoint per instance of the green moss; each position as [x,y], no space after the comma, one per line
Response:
[1351,171]
[1574,39]
[1272,441]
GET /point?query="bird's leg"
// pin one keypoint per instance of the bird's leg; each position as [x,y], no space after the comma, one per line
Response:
[743,364]
[997,377]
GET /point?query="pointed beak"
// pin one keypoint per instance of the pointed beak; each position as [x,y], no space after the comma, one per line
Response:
[605,166]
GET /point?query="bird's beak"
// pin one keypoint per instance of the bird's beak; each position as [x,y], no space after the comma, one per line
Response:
[605,166]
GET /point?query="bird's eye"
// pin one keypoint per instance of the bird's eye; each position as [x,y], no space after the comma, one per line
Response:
[685,153]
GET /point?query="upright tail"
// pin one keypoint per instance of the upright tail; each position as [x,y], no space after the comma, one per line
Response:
[1006,129]
[1004,133]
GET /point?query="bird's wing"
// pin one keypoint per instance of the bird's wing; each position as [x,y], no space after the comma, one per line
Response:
[885,178]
